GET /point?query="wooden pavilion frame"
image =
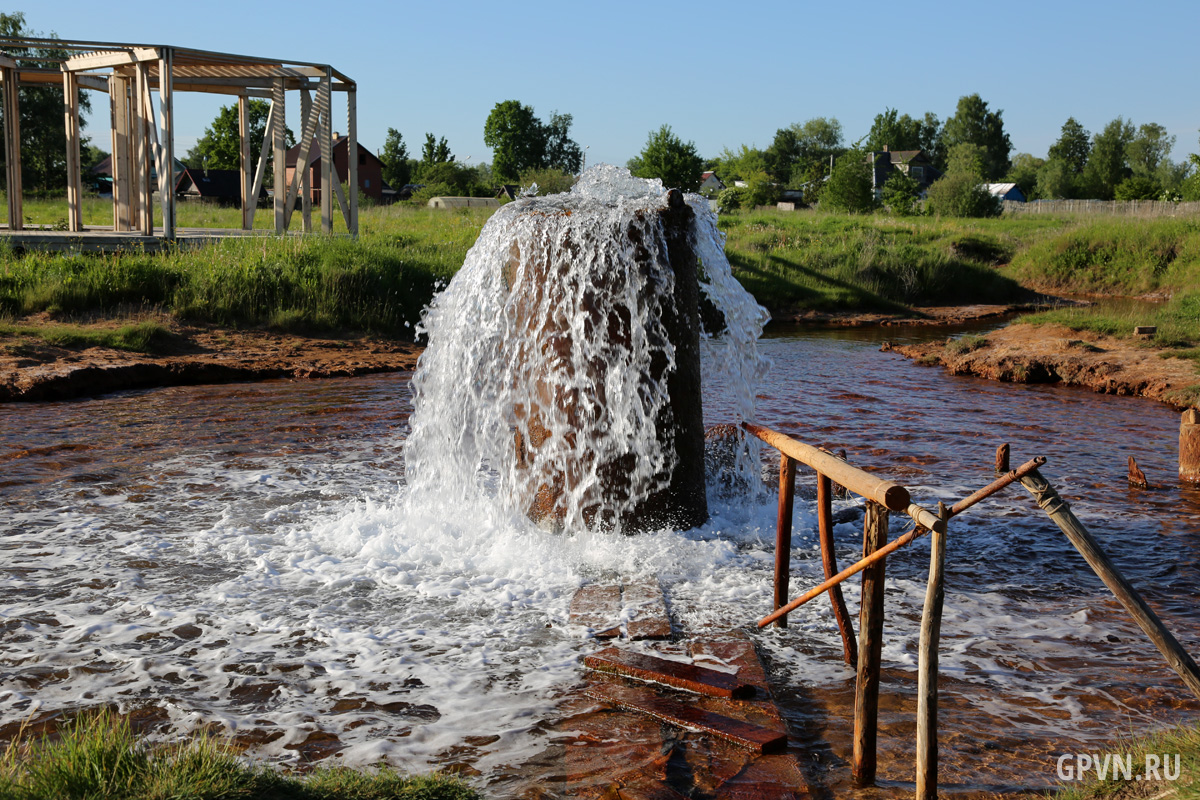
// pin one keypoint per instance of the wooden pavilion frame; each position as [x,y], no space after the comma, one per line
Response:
[129,73]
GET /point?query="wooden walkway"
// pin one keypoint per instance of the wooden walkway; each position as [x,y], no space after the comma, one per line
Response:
[98,239]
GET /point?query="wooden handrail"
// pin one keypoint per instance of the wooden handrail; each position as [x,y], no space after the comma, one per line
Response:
[891,496]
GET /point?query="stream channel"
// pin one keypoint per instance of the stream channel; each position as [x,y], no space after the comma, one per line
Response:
[231,558]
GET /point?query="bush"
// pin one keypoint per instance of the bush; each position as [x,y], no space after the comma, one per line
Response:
[1137,188]
[849,187]
[733,198]
[960,194]
[901,193]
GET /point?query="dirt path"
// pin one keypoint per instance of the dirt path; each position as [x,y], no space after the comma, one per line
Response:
[31,369]
[1053,354]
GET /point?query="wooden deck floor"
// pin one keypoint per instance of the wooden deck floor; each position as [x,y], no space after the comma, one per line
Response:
[99,239]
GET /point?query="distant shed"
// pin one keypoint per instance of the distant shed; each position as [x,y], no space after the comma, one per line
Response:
[1006,191]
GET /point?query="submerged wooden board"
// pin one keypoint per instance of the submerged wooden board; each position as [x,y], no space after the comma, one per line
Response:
[598,606]
[649,606]
[691,677]
[743,734]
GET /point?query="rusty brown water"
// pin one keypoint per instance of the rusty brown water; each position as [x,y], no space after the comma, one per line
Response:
[229,557]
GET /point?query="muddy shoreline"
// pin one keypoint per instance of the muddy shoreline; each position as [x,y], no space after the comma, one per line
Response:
[33,370]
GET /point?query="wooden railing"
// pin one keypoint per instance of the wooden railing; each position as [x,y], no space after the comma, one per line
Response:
[882,497]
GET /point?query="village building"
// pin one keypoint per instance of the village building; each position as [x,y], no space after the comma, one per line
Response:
[370,168]
[914,163]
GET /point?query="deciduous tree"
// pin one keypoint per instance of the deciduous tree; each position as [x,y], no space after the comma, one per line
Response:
[220,147]
[896,131]
[1107,165]
[521,142]
[973,123]
[1073,147]
[670,159]
[849,186]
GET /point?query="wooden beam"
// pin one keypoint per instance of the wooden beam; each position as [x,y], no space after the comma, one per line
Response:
[74,176]
[352,153]
[246,177]
[166,176]
[328,173]
[108,60]
[783,533]
[264,152]
[927,667]
[7,63]
[12,149]
[306,108]
[143,119]
[307,132]
[870,647]
[279,146]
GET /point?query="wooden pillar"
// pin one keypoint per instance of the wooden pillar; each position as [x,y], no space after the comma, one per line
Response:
[325,137]
[279,145]
[142,122]
[74,171]
[352,158]
[870,647]
[249,201]
[12,148]
[829,563]
[783,533]
[1002,459]
[1189,446]
[306,110]
[927,666]
[166,173]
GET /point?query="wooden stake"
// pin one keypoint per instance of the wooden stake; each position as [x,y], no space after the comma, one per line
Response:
[74,170]
[352,156]
[927,669]
[246,177]
[1189,446]
[1136,477]
[166,172]
[1147,620]
[783,533]
[870,648]
[306,110]
[328,173]
[12,148]
[829,562]
[279,145]
[1002,459]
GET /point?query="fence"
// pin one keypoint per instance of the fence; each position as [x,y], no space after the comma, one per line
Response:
[1116,208]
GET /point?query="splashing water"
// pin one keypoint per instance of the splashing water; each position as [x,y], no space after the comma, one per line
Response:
[550,350]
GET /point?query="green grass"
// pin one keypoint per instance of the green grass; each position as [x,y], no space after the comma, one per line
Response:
[965,344]
[1177,320]
[146,336]
[1128,257]
[1184,740]
[811,260]
[378,284]
[98,757]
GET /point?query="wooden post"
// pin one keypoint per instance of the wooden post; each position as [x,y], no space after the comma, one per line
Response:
[1189,446]
[1002,459]
[279,145]
[12,148]
[352,160]
[829,562]
[264,153]
[143,122]
[166,172]
[306,110]
[246,177]
[870,648]
[1136,477]
[927,669]
[783,533]
[1147,620]
[325,136]
[74,171]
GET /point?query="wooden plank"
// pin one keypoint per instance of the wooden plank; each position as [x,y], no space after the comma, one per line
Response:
[308,131]
[74,170]
[12,149]
[143,120]
[598,606]
[783,533]
[100,60]
[279,147]
[328,174]
[870,647]
[829,563]
[742,734]
[306,108]
[352,153]
[264,152]
[927,668]
[645,608]
[888,494]
[1079,536]
[245,175]
[166,175]
[652,669]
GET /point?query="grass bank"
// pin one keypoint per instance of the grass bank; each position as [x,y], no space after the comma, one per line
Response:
[809,260]
[378,284]
[98,757]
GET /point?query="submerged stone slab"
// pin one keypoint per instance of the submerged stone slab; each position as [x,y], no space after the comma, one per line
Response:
[677,674]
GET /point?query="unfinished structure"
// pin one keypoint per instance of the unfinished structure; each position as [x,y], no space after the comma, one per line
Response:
[143,140]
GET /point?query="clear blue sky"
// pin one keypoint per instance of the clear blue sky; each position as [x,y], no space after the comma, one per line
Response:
[721,74]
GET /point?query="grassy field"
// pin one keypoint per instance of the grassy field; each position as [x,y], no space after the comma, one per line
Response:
[98,757]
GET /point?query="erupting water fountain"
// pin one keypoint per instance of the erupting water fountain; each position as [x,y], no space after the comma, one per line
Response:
[563,367]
